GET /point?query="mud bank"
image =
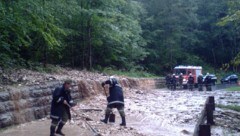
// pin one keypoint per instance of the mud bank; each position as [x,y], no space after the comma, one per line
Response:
[27,103]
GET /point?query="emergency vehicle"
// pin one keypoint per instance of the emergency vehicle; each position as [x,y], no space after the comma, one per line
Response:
[186,70]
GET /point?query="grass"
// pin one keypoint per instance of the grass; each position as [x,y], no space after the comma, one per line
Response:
[230,107]
[131,73]
[236,88]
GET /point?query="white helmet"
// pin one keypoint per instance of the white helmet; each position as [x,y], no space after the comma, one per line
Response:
[113,81]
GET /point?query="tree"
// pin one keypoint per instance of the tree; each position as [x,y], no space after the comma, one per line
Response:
[232,22]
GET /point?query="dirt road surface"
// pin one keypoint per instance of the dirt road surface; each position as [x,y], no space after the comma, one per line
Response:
[157,112]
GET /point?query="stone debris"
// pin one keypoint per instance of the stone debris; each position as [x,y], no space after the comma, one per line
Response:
[185,132]
[29,77]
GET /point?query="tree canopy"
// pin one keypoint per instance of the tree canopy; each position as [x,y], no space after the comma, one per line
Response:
[151,35]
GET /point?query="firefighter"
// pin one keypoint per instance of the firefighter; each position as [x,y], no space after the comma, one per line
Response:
[173,82]
[200,82]
[190,82]
[208,82]
[115,100]
[60,108]
[168,81]
[180,80]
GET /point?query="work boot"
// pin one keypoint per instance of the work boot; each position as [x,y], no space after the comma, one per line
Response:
[59,129]
[52,130]
[106,119]
[123,122]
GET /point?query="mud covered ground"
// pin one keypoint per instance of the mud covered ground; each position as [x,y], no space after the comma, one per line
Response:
[148,112]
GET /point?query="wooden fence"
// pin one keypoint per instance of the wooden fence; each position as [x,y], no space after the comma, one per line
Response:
[203,126]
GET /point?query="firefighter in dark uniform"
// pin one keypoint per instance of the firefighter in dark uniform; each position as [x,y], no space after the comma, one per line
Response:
[168,81]
[174,82]
[60,108]
[115,100]
[208,82]
[190,82]
[180,80]
[200,82]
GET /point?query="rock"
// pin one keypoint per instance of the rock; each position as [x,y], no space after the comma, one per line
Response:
[39,113]
[51,78]
[185,132]
[139,92]
[36,93]
[6,120]
[9,106]
[4,96]
[22,78]
[2,108]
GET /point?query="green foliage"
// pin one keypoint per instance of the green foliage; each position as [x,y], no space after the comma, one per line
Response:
[232,22]
[132,73]
[44,31]
[169,29]
[137,35]
[230,107]
[234,89]
[40,68]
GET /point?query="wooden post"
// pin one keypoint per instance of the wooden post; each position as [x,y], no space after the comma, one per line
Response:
[204,130]
[209,110]
[211,101]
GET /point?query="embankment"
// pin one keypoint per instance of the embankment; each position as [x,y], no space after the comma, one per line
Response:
[26,103]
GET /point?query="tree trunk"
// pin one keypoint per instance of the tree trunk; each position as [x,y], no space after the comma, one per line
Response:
[45,56]
[214,59]
[90,46]
[73,56]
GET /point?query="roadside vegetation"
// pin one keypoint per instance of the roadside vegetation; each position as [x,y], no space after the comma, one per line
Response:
[230,107]
[236,88]
[131,73]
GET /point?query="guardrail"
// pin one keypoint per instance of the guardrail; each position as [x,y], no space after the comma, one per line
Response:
[203,126]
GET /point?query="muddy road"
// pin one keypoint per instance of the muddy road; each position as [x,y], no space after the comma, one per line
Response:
[157,112]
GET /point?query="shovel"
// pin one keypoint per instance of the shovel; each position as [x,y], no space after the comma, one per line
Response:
[87,118]
[91,128]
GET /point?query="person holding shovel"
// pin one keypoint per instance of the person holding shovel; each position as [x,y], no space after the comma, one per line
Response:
[60,108]
[115,99]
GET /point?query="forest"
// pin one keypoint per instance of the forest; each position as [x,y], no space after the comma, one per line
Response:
[144,35]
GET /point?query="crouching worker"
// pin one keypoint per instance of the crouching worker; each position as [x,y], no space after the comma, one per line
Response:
[115,99]
[60,108]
